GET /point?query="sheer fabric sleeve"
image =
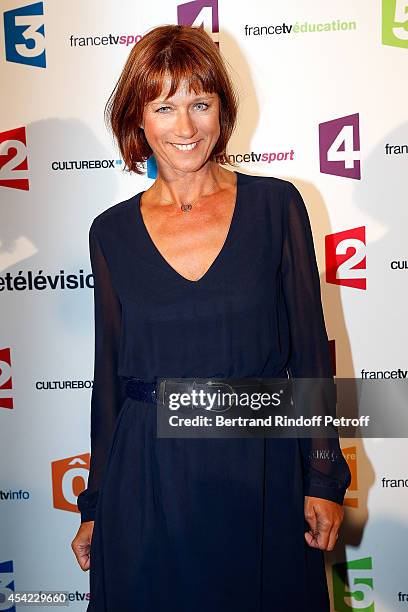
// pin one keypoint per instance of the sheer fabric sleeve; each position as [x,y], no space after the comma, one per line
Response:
[107,392]
[326,473]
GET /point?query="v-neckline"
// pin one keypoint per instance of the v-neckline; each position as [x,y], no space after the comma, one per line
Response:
[219,256]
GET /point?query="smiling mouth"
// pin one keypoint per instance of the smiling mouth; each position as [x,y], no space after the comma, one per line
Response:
[185,147]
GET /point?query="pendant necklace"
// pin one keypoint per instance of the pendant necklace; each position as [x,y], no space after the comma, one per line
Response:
[187,206]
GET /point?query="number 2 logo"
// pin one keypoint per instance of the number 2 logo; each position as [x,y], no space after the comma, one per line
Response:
[6,381]
[346,258]
[13,159]
[24,35]
[339,147]
[395,23]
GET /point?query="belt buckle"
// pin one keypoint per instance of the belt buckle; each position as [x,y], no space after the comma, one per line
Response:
[160,391]
[229,387]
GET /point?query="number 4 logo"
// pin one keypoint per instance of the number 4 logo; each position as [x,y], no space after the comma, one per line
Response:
[24,35]
[395,23]
[339,145]
[200,13]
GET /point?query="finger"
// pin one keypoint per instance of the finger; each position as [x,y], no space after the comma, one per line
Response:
[311,540]
[311,519]
[83,559]
[316,539]
[82,554]
[324,529]
[320,535]
[334,534]
[310,516]
[85,565]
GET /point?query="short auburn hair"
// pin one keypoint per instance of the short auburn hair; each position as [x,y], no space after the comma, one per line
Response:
[182,52]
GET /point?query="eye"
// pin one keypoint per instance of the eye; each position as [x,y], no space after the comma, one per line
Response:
[203,104]
[161,108]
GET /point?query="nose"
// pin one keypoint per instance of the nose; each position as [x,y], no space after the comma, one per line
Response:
[184,127]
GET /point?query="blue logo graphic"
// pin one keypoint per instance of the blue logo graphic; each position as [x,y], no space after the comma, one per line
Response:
[151,167]
[6,586]
[24,35]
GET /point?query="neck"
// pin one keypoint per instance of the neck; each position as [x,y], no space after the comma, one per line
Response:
[188,187]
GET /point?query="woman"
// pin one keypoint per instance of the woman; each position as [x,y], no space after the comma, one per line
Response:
[208,273]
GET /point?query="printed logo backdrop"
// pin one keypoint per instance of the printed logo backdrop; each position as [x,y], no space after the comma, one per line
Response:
[322,103]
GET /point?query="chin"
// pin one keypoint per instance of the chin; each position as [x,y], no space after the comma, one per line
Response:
[192,165]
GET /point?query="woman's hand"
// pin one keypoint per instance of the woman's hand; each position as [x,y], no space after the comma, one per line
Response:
[324,518]
[81,544]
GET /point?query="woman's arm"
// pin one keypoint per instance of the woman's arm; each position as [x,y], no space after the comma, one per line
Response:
[326,473]
[107,392]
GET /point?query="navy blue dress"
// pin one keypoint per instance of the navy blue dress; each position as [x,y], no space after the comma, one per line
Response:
[213,524]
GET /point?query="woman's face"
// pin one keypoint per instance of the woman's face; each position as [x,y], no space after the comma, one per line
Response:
[184,119]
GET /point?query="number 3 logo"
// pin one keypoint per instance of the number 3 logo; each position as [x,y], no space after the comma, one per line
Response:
[24,35]
[395,23]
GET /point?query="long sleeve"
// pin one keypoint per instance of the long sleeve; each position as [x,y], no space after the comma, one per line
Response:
[107,392]
[326,473]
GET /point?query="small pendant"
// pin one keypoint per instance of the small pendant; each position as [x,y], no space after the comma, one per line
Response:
[186,207]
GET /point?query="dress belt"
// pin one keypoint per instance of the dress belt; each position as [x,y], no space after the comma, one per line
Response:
[141,390]
[147,391]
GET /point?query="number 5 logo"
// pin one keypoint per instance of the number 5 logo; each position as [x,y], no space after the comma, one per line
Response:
[395,23]
[353,586]
[339,146]
[24,35]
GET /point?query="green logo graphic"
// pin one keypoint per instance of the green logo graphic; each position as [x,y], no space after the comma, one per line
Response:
[395,23]
[353,586]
